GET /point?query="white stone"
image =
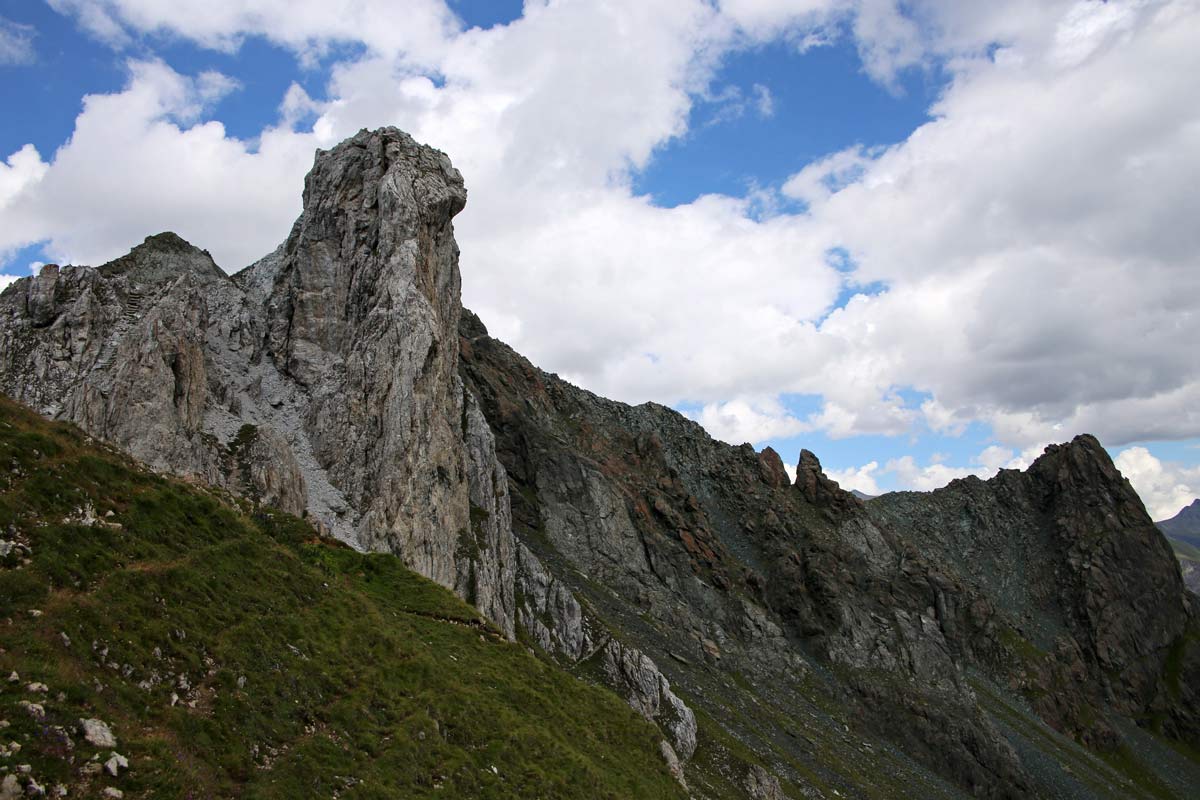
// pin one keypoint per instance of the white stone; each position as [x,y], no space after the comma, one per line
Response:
[97,733]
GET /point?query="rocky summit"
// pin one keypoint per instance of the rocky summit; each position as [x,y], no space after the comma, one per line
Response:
[1028,636]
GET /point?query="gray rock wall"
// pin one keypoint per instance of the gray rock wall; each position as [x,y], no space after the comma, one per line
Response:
[322,380]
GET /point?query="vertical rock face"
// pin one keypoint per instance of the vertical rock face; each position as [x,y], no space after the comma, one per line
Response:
[363,314]
[323,379]
[121,350]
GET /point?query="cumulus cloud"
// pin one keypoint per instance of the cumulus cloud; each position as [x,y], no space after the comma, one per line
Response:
[1164,486]
[752,421]
[139,162]
[925,477]
[907,473]
[21,170]
[1034,236]
[1032,248]
[855,478]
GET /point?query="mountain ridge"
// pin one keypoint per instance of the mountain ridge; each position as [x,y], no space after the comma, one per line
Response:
[216,648]
[1185,525]
[787,638]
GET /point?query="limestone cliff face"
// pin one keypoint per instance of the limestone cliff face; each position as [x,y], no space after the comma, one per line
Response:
[362,315]
[323,379]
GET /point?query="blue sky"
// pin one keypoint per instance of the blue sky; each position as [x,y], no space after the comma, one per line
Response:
[790,226]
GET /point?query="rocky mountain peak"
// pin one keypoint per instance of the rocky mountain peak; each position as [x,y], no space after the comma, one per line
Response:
[819,489]
[420,177]
[164,257]
[1082,473]
[323,380]
[773,470]
[370,205]
[1187,521]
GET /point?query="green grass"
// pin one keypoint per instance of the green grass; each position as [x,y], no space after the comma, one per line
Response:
[234,653]
[1184,550]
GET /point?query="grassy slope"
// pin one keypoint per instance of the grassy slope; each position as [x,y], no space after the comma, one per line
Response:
[1184,550]
[361,678]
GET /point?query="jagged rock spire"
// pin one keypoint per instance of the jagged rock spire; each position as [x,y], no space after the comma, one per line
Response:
[323,379]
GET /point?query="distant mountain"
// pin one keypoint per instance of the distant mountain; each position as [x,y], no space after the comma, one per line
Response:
[863,495]
[1189,563]
[1185,525]
[1183,532]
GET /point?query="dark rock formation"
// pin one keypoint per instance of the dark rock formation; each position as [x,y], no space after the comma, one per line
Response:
[1051,584]
[734,572]
[1087,586]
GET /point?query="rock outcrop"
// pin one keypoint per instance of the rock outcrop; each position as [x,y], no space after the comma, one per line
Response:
[733,574]
[322,380]
[787,638]
[1087,584]
[756,596]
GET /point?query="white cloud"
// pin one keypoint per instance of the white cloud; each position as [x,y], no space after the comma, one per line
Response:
[139,163]
[944,420]
[418,29]
[923,478]
[22,169]
[1035,238]
[1165,487]
[856,478]
[16,43]
[8,280]
[732,102]
[764,101]
[1087,26]
[753,421]
[764,19]
[819,180]
[888,39]
[906,473]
